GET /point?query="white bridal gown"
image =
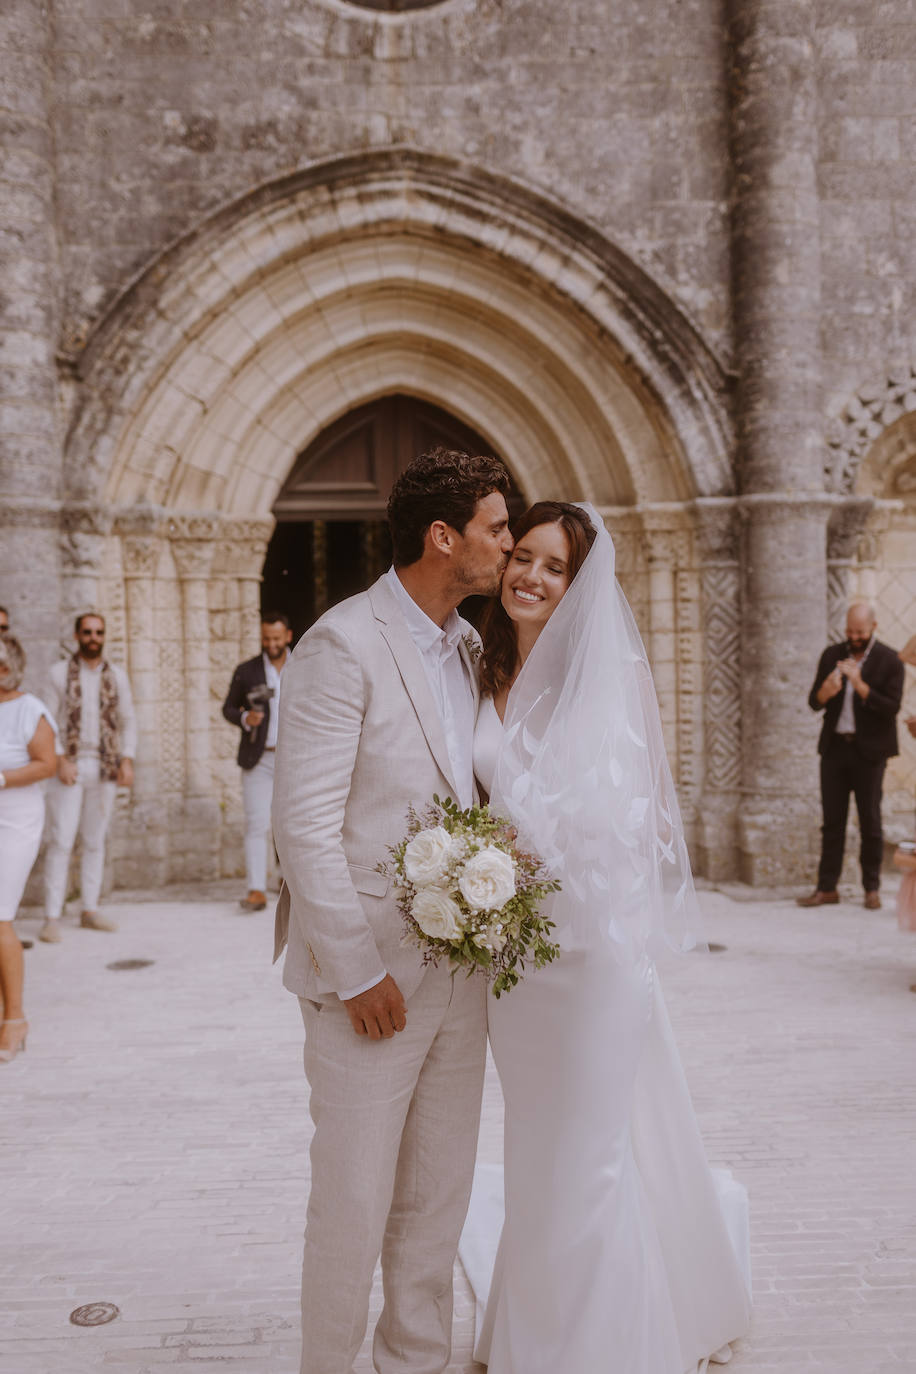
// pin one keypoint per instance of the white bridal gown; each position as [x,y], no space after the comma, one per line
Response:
[620,1253]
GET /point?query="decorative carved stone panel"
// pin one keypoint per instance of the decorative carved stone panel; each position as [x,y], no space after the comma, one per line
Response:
[722,624]
[876,406]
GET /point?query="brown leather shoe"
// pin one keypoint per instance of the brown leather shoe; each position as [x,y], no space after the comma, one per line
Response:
[872,901]
[819,898]
[255,901]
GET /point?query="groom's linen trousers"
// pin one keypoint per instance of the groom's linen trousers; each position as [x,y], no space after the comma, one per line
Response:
[392,1162]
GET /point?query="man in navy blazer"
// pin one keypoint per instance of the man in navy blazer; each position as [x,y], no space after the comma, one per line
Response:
[859,687]
[252,704]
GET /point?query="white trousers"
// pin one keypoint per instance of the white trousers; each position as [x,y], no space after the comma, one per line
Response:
[85,807]
[257,794]
[392,1164]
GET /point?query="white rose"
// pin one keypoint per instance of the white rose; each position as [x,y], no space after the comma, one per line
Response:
[436,913]
[487,880]
[426,856]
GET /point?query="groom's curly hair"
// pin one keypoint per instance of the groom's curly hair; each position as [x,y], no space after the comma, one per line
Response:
[443,484]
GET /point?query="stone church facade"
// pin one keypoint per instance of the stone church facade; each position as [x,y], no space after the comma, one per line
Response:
[661,256]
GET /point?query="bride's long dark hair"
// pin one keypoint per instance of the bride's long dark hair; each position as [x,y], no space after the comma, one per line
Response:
[500,642]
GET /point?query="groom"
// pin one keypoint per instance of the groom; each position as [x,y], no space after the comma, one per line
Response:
[377,714]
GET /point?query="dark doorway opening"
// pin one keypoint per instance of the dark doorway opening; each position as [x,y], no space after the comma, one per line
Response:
[331,539]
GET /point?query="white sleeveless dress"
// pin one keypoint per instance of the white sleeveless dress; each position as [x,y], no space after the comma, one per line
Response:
[620,1252]
[22,809]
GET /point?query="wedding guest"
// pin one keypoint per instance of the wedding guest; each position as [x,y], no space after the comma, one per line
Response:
[91,700]
[26,759]
[252,703]
[859,687]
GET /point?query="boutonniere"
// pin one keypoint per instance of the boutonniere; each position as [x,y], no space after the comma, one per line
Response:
[473,646]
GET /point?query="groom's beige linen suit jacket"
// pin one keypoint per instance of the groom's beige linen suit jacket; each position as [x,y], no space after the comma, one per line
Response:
[360,740]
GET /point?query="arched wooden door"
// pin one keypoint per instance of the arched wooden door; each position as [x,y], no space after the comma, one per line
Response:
[331,538]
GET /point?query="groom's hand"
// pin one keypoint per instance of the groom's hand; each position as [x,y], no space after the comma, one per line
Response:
[379,1012]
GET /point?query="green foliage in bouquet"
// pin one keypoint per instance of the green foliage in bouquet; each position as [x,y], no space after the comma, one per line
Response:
[469,893]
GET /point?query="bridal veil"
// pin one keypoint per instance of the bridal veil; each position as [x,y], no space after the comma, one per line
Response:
[584,775]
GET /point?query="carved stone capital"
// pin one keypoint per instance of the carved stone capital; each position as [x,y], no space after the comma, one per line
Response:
[83,518]
[194,525]
[665,535]
[718,529]
[845,526]
[193,557]
[241,548]
[140,555]
[257,529]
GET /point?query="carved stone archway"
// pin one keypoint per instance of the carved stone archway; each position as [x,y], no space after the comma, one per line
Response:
[346,282]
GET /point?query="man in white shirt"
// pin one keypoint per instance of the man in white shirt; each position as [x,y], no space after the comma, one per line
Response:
[253,703]
[97,739]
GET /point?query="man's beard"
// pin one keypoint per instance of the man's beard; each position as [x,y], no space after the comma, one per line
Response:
[276,654]
[476,586]
[857,646]
[91,650]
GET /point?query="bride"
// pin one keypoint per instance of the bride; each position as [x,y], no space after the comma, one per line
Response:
[614,1256]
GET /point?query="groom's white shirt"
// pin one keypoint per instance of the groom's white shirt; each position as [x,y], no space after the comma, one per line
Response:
[377,714]
[449,676]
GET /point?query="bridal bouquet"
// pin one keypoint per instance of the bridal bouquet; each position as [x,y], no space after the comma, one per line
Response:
[469,893]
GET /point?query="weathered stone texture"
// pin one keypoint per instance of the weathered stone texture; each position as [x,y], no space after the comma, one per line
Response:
[867,135]
[166,112]
[662,254]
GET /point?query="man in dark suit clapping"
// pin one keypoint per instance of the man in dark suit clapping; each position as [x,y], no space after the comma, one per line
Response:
[859,687]
[252,703]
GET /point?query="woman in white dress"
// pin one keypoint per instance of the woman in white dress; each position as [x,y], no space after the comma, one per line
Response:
[27,757]
[614,1256]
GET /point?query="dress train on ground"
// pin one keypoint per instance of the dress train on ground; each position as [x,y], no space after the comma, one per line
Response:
[624,1251]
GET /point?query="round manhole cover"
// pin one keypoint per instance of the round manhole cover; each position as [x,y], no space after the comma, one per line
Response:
[94,1314]
[120,964]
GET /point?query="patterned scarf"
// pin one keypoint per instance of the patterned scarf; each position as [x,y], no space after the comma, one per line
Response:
[108,718]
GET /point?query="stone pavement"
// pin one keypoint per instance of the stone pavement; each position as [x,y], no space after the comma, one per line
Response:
[154,1140]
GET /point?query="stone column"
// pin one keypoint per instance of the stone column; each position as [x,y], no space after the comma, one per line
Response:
[661,559]
[236,632]
[718,539]
[30,429]
[195,841]
[143,857]
[776,294]
[192,549]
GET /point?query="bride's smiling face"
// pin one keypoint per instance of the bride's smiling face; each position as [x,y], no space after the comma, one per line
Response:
[536,576]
